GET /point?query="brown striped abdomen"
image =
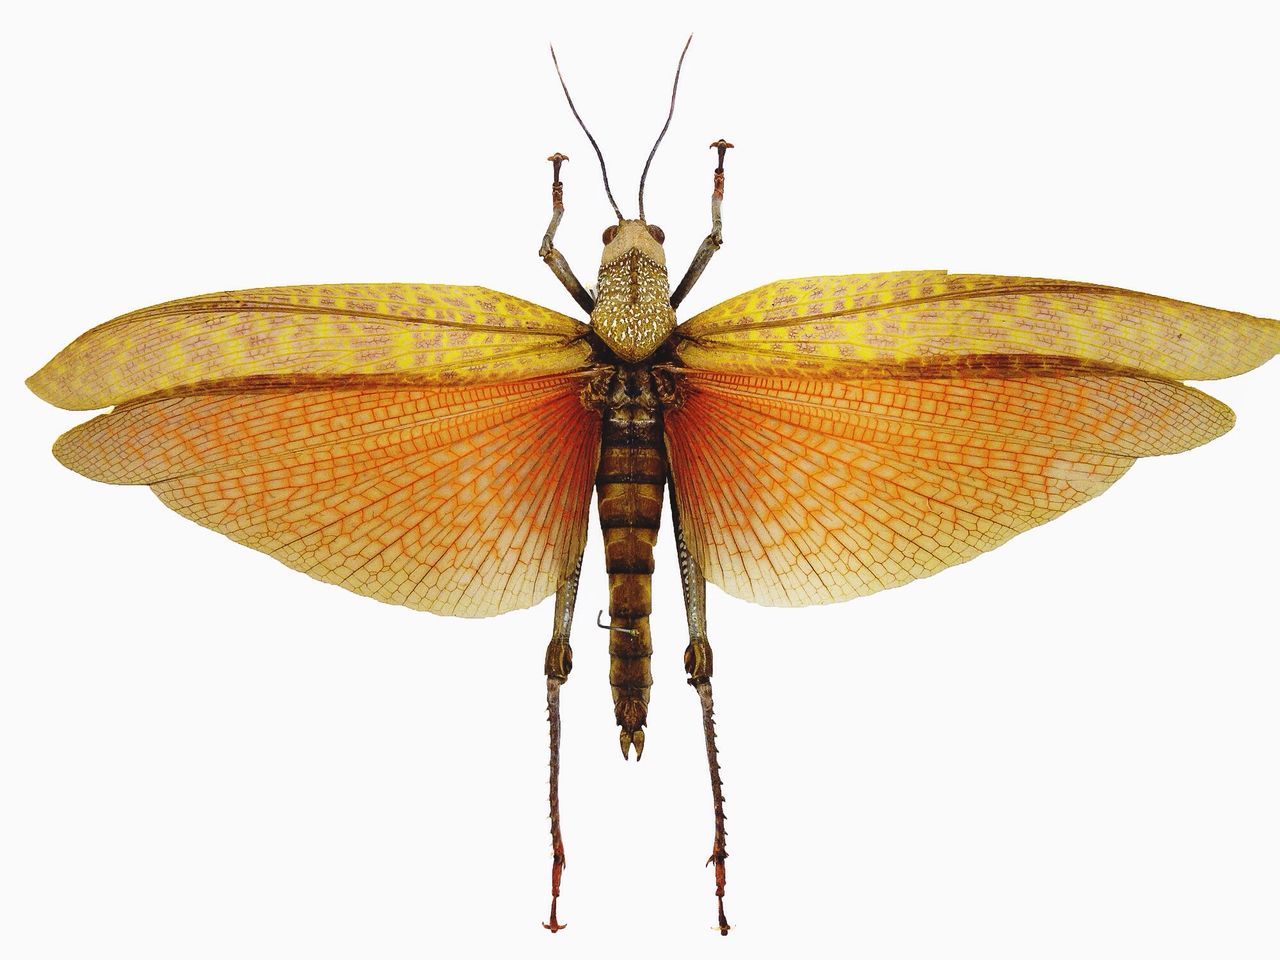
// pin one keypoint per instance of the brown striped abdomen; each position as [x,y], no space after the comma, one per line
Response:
[629,486]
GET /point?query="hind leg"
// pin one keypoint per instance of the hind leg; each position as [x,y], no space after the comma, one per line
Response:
[698,663]
[558,663]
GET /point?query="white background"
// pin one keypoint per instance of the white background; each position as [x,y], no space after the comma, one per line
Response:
[1065,748]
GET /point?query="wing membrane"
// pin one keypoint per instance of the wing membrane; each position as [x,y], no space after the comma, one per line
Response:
[796,492]
[887,324]
[463,501]
[403,334]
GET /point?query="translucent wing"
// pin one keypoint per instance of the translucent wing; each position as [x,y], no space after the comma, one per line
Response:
[402,334]
[882,324]
[468,501]
[423,445]
[796,492]
[845,434]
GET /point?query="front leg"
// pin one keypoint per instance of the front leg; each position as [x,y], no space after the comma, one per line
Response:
[557,664]
[552,257]
[714,239]
[698,664]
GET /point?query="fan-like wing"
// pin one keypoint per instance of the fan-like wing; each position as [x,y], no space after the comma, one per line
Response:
[885,324]
[796,492]
[464,501]
[404,334]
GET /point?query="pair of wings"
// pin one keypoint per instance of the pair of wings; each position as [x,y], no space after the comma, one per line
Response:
[425,445]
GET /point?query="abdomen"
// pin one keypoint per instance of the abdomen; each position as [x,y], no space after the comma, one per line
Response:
[629,486]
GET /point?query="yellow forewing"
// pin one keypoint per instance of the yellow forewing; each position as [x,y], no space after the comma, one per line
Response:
[886,324]
[401,334]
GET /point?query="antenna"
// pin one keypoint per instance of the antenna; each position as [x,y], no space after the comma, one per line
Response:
[670,114]
[603,172]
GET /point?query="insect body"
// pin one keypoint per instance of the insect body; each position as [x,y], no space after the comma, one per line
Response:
[820,439]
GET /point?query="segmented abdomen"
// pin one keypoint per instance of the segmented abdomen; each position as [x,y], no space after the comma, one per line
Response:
[629,485]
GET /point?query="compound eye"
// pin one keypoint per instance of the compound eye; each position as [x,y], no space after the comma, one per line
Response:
[656,232]
[609,233]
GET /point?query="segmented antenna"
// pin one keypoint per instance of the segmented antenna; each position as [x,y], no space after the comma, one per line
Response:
[670,114]
[603,172]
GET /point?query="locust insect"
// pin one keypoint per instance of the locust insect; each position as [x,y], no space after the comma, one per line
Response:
[820,439]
